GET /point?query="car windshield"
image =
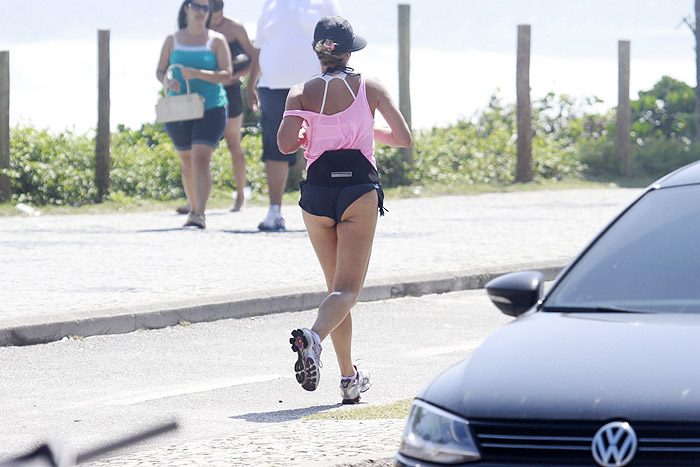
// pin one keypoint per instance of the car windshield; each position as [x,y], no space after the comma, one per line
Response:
[649,260]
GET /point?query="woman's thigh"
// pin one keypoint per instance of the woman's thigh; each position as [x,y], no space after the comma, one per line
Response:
[232,133]
[322,233]
[355,234]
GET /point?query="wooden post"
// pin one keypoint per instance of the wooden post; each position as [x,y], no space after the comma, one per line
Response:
[624,112]
[102,159]
[524,111]
[405,73]
[5,187]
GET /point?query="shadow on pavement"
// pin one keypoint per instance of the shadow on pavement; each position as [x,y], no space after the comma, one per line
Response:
[262,232]
[171,229]
[283,415]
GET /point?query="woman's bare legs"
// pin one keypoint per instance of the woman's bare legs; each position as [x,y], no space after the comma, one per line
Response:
[187,175]
[343,250]
[196,176]
[232,133]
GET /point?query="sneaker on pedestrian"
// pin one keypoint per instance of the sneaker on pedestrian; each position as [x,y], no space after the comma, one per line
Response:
[350,388]
[307,345]
[272,224]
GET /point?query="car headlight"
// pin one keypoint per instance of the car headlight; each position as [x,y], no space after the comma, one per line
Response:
[438,436]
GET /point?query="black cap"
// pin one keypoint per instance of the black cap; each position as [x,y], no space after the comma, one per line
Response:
[333,36]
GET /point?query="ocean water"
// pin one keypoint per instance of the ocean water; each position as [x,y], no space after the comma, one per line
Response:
[463,51]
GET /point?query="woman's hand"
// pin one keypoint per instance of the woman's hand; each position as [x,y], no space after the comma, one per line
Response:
[189,73]
[173,85]
[303,138]
[252,98]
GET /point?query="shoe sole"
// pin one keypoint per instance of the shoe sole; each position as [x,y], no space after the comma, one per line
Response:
[263,228]
[305,368]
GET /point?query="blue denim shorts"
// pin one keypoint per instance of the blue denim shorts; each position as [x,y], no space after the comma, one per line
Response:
[272,104]
[207,130]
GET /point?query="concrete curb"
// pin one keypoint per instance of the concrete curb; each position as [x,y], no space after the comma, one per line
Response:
[280,300]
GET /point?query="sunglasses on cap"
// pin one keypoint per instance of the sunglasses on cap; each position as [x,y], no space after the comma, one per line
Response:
[197,6]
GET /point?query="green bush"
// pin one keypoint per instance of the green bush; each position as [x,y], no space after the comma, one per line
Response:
[569,141]
[144,165]
[658,156]
[51,169]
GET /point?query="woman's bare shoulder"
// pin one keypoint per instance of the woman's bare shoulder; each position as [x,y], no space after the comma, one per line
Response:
[374,83]
[375,90]
[216,35]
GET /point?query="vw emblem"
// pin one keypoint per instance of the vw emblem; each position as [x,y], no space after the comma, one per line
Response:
[614,444]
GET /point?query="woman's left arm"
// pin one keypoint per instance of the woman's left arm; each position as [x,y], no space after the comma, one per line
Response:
[223,63]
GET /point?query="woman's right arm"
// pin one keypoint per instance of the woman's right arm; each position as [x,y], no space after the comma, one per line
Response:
[398,134]
[288,138]
[164,62]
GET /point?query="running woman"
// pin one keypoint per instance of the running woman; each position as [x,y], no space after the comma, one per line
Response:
[332,117]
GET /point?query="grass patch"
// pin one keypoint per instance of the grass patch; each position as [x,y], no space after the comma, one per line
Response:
[477,189]
[396,411]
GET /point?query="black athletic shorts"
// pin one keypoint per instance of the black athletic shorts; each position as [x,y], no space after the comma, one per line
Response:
[336,180]
[272,103]
[235,100]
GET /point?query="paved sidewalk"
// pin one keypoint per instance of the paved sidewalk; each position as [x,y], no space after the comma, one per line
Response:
[342,443]
[99,274]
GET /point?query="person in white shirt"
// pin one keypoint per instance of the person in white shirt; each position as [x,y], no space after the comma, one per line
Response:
[282,58]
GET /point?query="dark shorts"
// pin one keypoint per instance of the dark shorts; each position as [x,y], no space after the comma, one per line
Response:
[336,180]
[272,103]
[235,100]
[332,202]
[207,130]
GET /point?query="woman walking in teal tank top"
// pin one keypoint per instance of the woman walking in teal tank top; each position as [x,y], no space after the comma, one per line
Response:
[205,60]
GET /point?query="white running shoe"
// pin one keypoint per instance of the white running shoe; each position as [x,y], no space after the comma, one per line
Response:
[272,224]
[350,388]
[307,367]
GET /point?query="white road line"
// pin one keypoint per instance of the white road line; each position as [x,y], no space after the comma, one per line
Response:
[183,389]
[135,397]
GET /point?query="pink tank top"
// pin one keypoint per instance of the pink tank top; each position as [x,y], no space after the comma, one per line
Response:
[352,128]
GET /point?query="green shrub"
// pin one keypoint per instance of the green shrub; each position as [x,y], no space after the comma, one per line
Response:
[51,169]
[144,165]
[392,168]
[657,157]
[569,142]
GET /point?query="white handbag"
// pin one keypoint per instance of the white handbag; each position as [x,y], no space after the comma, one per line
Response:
[188,106]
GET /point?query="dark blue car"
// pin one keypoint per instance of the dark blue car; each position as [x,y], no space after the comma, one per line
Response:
[603,369]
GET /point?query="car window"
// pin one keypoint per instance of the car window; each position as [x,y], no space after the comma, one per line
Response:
[649,260]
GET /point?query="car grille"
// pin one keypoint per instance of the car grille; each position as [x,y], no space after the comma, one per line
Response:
[569,442]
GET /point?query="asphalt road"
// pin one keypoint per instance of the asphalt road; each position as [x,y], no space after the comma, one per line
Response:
[231,386]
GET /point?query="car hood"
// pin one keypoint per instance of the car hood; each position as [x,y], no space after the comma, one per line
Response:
[582,366]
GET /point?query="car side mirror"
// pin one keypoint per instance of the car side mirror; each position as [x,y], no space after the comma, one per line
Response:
[517,292]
